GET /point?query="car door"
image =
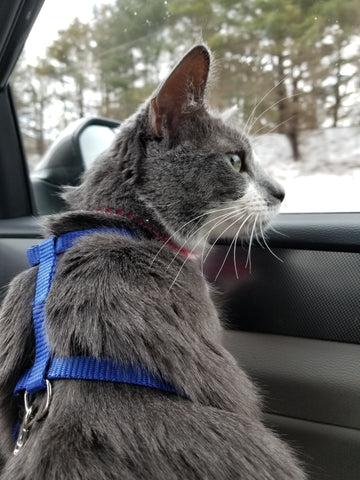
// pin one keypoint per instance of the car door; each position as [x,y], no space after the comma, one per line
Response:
[18,229]
[293,321]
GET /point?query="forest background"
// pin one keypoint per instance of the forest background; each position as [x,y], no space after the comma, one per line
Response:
[289,65]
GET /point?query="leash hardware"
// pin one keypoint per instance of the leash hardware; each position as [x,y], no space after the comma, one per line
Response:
[30,418]
[42,414]
[24,430]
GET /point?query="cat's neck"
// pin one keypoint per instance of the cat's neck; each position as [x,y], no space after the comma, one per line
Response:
[141,220]
[142,226]
[154,229]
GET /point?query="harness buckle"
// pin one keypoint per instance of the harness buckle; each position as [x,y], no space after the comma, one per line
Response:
[30,417]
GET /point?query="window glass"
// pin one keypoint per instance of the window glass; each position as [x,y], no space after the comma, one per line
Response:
[290,66]
[93,141]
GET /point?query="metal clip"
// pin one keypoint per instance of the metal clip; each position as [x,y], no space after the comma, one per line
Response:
[30,417]
[25,428]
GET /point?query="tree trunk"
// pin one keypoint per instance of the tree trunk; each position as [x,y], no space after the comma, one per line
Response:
[105,101]
[293,133]
[80,99]
[39,128]
[288,110]
[282,94]
[337,85]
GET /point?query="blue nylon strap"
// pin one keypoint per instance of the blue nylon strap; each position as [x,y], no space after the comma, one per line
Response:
[86,368]
[34,379]
[44,254]
[89,368]
[66,241]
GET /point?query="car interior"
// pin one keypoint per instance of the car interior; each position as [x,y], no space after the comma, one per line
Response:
[292,318]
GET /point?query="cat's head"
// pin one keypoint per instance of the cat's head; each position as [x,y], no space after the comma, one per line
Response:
[194,174]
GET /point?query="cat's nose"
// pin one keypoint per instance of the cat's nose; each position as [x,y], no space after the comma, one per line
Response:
[278,192]
[274,192]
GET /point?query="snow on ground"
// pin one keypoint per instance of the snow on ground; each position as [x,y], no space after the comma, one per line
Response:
[325,179]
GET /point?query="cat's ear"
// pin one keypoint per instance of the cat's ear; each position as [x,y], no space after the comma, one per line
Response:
[182,92]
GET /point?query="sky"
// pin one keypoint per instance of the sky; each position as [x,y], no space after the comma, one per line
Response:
[56,15]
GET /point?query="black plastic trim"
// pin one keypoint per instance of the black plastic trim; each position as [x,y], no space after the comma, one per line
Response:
[22,227]
[315,231]
[305,231]
[16,20]
[15,193]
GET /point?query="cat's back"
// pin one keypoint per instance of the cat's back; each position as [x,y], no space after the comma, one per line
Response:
[113,286]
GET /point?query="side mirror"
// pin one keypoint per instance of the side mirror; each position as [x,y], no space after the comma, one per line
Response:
[68,157]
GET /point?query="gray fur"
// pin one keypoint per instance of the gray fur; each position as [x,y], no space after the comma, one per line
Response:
[139,301]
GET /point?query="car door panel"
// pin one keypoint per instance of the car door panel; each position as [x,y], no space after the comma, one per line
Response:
[311,293]
[328,452]
[16,236]
[302,376]
[292,325]
[293,322]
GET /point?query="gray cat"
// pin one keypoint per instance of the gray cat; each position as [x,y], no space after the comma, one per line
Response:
[174,176]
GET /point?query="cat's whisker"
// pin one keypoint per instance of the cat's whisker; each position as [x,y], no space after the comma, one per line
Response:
[206,235]
[258,240]
[185,225]
[268,247]
[233,210]
[222,217]
[271,107]
[274,104]
[235,245]
[193,233]
[277,231]
[250,117]
[222,233]
[231,244]
[248,259]
[206,242]
[236,212]
[225,258]
[186,259]
[213,243]
[273,128]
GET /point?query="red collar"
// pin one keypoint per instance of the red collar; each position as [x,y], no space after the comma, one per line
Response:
[154,232]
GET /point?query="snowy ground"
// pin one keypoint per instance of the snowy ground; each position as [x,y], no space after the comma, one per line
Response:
[326,179]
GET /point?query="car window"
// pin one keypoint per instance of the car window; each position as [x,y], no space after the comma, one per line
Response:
[93,141]
[287,69]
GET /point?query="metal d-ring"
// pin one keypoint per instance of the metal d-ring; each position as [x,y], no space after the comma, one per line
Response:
[40,415]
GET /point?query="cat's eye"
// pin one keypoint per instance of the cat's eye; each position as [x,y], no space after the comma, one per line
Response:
[236,161]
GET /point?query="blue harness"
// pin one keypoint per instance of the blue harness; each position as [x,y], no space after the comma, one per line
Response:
[81,367]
